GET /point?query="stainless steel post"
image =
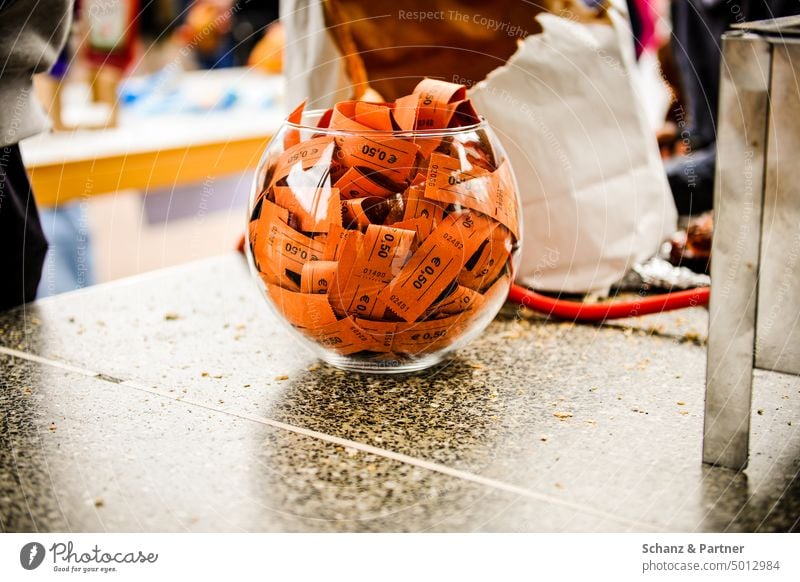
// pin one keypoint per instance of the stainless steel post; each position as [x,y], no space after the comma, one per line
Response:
[755,272]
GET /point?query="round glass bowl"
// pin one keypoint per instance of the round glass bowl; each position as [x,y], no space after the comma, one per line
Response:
[383,251]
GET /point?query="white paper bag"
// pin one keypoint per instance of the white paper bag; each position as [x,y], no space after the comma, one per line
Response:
[594,192]
[312,64]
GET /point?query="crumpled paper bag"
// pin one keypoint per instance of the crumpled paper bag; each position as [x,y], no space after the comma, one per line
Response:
[594,193]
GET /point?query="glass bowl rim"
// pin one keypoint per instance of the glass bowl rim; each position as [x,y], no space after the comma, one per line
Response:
[482,124]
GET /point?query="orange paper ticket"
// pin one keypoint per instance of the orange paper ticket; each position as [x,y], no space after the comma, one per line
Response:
[355,184]
[315,208]
[292,137]
[392,157]
[385,250]
[492,258]
[505,199]
[359,296]
[405,115]
[377,116]
[419,179]
[260,245]
[487,192]
[381,332]
[259,227]
[344,337]
[462,299]
[498,291]
[429,107]
[317,276]
[464,114]
[432,106]
[425,336]
[340,239]
[432,335]
[343,117]
[429,213]
[405,112]
[285,248]
[419,225]
[281,280]
[436,263]
[361,212]
[359,279]
[304,156]
[434,109]
[325,119]
[305,310]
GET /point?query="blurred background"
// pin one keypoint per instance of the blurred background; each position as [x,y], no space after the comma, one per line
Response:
[161,108]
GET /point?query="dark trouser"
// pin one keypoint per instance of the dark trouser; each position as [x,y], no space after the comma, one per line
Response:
[691,178]
[22,242]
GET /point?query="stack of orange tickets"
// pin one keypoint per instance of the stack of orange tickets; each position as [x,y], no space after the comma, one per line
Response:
[386,237]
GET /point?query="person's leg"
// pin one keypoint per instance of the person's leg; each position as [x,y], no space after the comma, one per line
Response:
[691,178]
[68,264]
[22,242]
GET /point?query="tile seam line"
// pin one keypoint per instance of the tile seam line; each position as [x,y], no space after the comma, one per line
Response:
[332,439]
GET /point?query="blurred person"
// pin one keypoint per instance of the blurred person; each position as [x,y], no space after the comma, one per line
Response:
[223,33]
[68,262]
[205,30]
[32,35]
[252,20]
[698,26]
[643,25]
[267,55]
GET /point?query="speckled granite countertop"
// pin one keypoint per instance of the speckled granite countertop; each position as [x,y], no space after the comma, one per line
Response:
[173,402]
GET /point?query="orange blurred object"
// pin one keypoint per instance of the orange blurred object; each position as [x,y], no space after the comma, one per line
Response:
[206,23]
[267,56]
